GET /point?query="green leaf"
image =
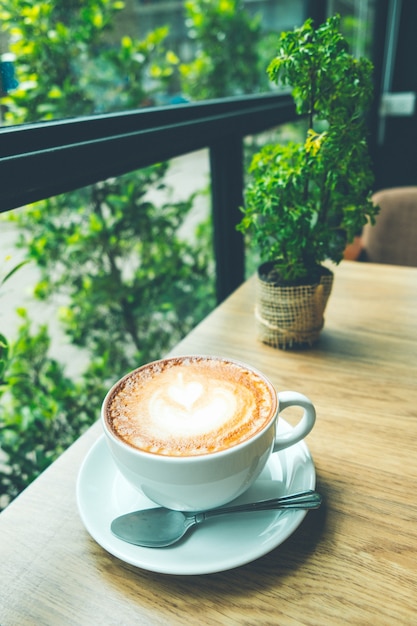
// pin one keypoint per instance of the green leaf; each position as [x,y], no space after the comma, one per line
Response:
[13,271]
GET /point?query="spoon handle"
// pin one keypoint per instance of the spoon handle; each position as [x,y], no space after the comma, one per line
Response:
[302,500]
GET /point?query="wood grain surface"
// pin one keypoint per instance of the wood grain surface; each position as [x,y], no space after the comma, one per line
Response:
[352,561]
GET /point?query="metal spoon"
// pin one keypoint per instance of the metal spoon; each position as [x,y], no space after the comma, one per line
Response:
[160,527]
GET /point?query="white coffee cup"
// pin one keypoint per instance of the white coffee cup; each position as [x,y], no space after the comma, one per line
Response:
[194,432]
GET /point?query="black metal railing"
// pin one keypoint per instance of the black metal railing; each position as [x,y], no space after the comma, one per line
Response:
[45,159]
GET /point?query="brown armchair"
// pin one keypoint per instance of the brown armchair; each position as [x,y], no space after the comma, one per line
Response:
[393,238]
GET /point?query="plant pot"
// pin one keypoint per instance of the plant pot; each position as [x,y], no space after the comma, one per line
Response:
[291,316]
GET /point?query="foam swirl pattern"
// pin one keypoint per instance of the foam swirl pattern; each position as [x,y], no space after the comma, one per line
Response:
[187,407]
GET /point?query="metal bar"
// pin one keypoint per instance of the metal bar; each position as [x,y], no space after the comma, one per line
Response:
[226,162]
[41,160]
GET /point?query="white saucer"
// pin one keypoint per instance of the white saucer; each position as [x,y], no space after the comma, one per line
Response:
[217,545]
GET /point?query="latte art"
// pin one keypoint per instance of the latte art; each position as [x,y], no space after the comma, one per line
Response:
[189,406]
[191,409]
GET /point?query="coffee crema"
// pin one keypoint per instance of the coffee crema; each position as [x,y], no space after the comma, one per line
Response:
[187,406]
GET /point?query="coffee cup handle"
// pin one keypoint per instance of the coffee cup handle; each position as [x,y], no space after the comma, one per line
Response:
[304,426]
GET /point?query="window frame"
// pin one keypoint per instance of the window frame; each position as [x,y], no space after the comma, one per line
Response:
[41,160]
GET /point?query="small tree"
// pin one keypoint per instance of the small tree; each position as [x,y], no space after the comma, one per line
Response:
[306,200]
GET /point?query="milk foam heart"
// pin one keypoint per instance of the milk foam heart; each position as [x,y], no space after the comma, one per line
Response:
[191,409]
[189,406]
[185,394]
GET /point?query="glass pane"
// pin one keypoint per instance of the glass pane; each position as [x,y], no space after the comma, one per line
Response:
[110,250]
[118,273]
[357,23]
[81,57]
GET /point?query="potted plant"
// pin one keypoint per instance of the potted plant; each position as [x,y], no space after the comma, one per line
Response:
[307,200]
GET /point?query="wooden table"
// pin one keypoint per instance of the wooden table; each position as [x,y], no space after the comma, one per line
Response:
[352,561]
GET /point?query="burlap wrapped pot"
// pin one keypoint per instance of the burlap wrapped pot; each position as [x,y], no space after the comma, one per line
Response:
[291,317]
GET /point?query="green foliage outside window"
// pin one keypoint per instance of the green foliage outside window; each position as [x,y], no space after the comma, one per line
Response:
[133,284]
[42,410]
[227,61]
[65,66]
